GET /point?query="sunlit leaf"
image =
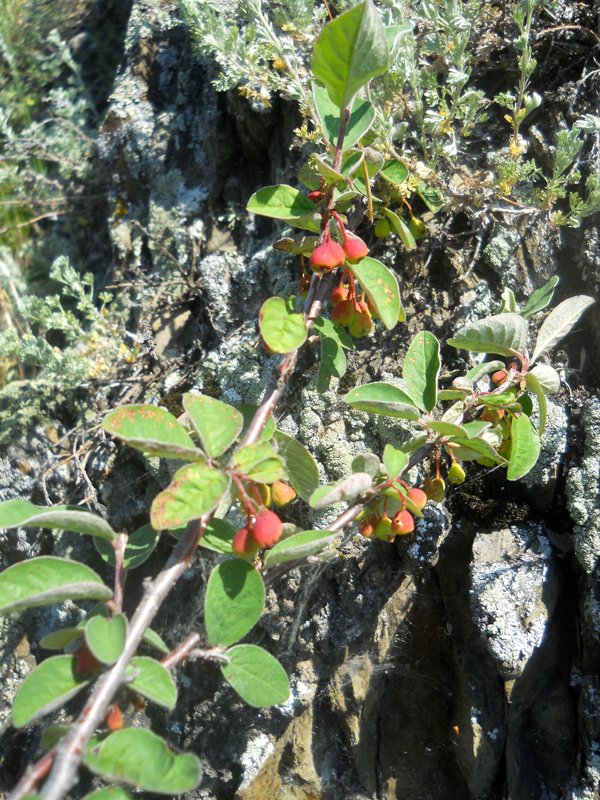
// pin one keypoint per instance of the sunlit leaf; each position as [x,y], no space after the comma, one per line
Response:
[301,467]
[256,676]
[259,462]
[51,684]
[282,330]
[362,117]
[525,448]
[299,546]
[217,424]
[503,334]
[195,490]
[345,490]
[395,461]
[381,286]
[559,322]
[142,759]
[288,204]
[21,514]
[234,600]
[153,430]
[540,298]
[105,637]
[152,680]
[421,369]
[45,580]
[382,398]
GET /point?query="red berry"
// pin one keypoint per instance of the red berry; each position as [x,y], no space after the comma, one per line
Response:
[267,529]
[403,523]
[85,661]
[339,294]
[418,498]
[114,718]
[243,543]
[328,255]
[362,323]
[499,377]
[344,312]
[315,196]
[355,248]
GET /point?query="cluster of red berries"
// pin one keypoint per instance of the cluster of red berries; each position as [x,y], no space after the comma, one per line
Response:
[330,254]
[377,523]
[353,314]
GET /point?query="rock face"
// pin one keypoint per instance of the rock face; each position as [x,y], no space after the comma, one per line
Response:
[460,665]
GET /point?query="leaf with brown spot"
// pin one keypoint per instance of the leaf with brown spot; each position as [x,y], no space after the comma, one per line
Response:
[153,430]
[381,287]
[195,490]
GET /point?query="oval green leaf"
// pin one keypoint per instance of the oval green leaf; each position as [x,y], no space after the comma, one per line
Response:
[152,680]
[259,462]
[21,513]
[301,467]
[57,640]
[525,448]
[299,546]
[447,428]
[218,536]
[395,461]
[153,639]
[46,580]
[401,229]
[217,424]
[153,430]
[105,637]
[256,676]
[395,172]
[195,490]
[281,329]
[349,51]
[140,546]
[284,202]
[381,287]
[503,334]
[382,398]
[50,686]
[559,322]
[344,490]
[142,759]
[235,596]
[421,369]
[362,117]
[109,793]
[540,298]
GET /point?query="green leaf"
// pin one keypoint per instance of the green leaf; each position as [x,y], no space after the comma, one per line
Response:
[105,637]
[281,329]
[235,596]
[217,424]
[533,385]
[153,430]
[142,759]
[421,370]
[299,546]
[218,536]
[447,428]
[52,736]
[140,546]
[109,793]
[547,377]
[326,171]
[362,117]
[432,197]
[45,580]
[152,681]
[259,462]
[452,394]
[57,640]
[344,490]
[559,322]
[21,513]
[401,229]
[381,286]
[153,639]
[51,684]
[395,172]
[382,398]
[195,490]
[503,400]
[509,301]
[349,51]
[475,428]
[366,462]
[301,468]
[395,461]
[540,298]
[525,448]
[334,340]
[470,449]
[288,204]
[503,334]
[256,676]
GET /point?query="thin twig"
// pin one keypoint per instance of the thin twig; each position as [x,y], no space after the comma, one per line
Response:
[33,775]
